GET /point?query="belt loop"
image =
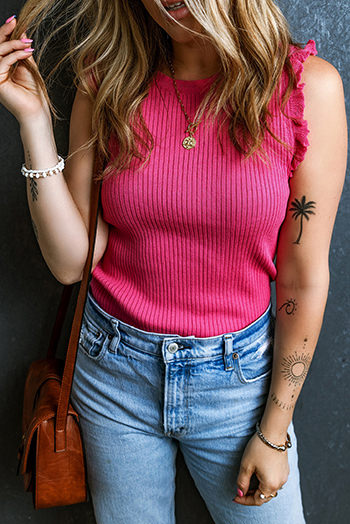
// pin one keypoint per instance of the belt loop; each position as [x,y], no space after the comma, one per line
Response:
[113,346]
[228,340]
[115,323]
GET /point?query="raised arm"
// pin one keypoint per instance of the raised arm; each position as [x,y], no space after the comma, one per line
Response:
[302,280]
[59,204]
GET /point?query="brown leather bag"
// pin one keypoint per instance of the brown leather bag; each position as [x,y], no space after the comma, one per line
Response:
[51,455]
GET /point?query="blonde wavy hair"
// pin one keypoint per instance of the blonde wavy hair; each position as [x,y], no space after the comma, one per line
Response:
[120,46]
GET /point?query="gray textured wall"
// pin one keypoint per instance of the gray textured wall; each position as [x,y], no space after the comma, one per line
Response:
[29,296]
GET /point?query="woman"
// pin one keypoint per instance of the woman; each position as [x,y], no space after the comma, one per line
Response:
[179,346]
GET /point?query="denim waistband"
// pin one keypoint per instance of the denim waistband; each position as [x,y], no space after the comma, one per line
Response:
[154,342]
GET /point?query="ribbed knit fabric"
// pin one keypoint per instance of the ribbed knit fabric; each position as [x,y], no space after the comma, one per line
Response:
[193,235]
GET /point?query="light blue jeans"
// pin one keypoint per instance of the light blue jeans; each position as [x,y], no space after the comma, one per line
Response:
[141,394]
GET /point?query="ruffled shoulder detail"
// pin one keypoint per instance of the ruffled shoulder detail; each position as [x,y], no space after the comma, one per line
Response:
[296,102]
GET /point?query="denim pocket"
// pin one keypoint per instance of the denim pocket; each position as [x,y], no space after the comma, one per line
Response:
[254,362]
[93,341]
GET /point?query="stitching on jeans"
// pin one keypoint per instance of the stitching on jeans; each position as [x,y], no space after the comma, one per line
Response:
[138,350]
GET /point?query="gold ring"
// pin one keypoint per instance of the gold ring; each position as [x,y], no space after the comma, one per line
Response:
[262,496]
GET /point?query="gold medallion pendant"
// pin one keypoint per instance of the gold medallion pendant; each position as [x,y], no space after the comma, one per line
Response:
[189,142]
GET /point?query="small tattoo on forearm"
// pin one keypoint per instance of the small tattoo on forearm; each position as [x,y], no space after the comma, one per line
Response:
[29,160]
[33,189]
[301,209]
[280,403]
[290,306]
[33,185]
[295,368]
[35,229]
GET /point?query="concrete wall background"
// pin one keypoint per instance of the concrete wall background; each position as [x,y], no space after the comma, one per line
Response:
[29,296]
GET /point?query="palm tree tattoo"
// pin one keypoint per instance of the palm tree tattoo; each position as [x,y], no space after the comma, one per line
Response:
[301,209]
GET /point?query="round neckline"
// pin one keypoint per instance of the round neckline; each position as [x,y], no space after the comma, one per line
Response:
[166,81]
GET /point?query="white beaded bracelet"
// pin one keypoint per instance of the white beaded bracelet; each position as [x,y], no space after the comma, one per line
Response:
[42,173]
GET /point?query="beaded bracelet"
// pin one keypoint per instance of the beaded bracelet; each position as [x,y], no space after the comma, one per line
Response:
[283,447]
[42,173]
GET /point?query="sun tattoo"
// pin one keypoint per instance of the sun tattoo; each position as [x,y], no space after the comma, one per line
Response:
[295,368]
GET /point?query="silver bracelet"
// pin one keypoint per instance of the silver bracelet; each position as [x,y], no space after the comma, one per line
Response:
[42,173]
[283,447]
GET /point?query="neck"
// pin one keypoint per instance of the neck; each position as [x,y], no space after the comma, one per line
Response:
[192,61]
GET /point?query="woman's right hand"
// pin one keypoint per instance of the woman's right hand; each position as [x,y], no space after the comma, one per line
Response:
[20,95]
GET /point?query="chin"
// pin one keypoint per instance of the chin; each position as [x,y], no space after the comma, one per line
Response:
[181,35]
[181,39]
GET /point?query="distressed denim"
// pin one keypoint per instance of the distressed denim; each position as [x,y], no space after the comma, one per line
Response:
[141,394]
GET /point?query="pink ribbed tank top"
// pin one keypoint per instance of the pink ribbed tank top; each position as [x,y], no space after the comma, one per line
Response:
[193,235]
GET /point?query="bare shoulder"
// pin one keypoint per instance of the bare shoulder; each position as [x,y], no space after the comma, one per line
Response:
[324,98]
[325,114]
[322,80]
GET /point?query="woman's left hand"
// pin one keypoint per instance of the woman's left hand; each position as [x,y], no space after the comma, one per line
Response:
[269,465]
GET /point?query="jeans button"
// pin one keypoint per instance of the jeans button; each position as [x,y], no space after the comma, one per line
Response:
[173,347]
[235,355]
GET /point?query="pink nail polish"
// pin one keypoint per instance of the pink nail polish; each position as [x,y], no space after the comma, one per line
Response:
[9,19]
[240,492]
[29,49]
[26,40]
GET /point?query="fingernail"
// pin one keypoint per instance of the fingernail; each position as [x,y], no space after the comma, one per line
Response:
[240,492]
[26,40]
[9,19]
[29,49]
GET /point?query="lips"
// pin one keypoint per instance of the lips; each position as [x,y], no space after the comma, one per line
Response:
[178,12]
[170,3]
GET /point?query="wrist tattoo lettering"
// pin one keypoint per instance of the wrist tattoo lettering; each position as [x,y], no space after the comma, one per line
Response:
[301,209]
[280,403]
[290,306]
[28,160]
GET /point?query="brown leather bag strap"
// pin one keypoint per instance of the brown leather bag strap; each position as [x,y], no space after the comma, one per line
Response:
[60,317]
[66,384]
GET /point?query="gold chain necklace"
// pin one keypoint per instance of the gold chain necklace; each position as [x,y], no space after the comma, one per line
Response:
[189,141]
